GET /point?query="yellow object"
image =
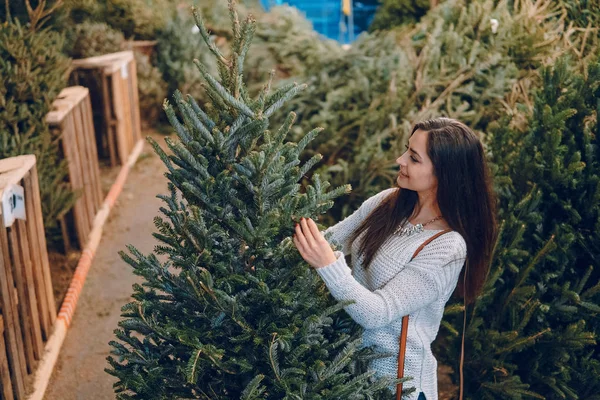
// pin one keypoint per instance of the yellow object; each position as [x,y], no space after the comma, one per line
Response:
[346,7]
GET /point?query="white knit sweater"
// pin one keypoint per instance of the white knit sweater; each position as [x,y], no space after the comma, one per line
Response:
[393,287]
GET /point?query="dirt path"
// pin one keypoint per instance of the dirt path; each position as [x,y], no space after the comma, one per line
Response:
[79,372]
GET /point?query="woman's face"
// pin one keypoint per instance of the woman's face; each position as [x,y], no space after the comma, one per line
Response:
[416,168]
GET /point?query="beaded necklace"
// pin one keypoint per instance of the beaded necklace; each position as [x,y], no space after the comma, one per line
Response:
[418,228]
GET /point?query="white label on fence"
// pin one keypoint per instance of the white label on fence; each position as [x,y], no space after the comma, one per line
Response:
[13,204]
[124,71]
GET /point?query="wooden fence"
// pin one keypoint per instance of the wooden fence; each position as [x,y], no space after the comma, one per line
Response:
[72,117]
[112,80]
[145,47]
[27,307]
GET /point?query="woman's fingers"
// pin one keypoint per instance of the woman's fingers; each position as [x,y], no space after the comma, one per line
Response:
[314,230]
[297,244]
[306,231]
[300,237]
[311,244]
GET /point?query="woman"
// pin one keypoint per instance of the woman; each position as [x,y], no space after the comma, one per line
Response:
[443,184]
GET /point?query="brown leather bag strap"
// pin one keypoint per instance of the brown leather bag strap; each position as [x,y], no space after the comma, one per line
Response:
[404,329]
[462,346]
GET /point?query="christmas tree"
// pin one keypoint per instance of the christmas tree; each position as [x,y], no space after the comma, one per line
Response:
[233,312]
[533,332]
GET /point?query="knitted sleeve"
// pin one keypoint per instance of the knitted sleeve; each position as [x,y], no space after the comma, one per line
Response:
[341,232]
[423,280]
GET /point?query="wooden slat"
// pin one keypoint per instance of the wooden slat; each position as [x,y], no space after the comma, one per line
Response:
[86,167]
[118,109]
[74,166]
[6,392]
[127,115]
[39,222]
[128,94]
[133,44]
[109,61]
[14,340]
[36,258]
[18,270]
[109,118]
[77,179]
[12,169]
[83,216]
[64,153]
[93,79]
[64,104]
[80,138]
[135,104]
[29,285]
[92,152]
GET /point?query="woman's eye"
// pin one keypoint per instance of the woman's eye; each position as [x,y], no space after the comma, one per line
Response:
[411,157]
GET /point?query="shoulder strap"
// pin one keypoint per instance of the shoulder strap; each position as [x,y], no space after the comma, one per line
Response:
[462,346]
[404,329]
[425,243]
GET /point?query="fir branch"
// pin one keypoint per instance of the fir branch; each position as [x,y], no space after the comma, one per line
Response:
[206,36]
[521,343]
[192,367]
[210,124]
[252,391]
[260,103]
[225,95]
[549,246]
[273,357]
[288,95]
[181,130]
[247,33]
[309,164]
[309,137]
[195,123]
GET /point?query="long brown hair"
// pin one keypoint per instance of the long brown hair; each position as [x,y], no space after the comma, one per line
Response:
[465,197]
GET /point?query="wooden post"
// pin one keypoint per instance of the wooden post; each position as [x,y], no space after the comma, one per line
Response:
[14,338]
[72,117]
[145,47]
[28,310]
[6,391]
[116,99]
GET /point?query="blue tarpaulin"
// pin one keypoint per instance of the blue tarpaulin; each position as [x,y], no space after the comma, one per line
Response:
[327,17]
